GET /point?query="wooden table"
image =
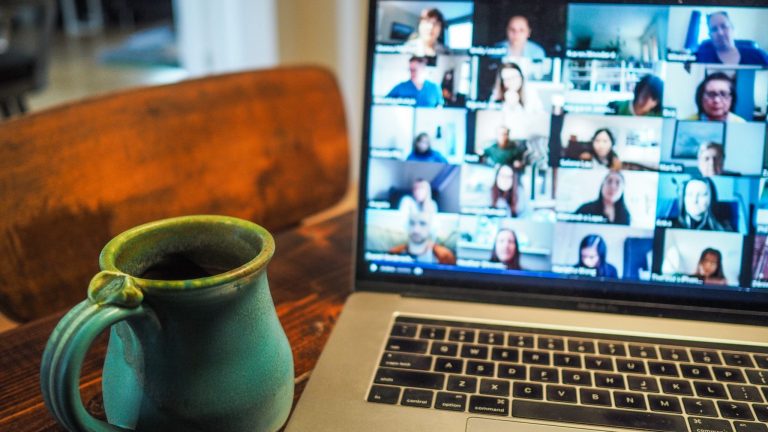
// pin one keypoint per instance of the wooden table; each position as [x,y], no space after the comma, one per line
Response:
[310,278]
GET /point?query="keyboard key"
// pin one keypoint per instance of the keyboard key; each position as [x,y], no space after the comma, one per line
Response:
[699,407]
[494,387]
[642,351]
[384,394]
[706,357]
[451,401]
[612,348]
[541,374]
[513,372]
[407,378]
[407,345]
[598,363]
[738,359]
[761,411]
[662,369]
[474,352]
[505,354]
[445,349]
[744,393]
[664,404]
[461,384]
[462,335]
[741,426]
[762,361]
[535,357]
[434,333]
[406,361]
[479,368]
[489,405]
[527,390]
[709,425]
[765,392]
[629,400]
[598,416]
[450,365]
[735,410]
[404,330]
[520,341]
[568,360]
[581,346]
[595,397]
[710,390]
[417,398]
[491,338]
[676,387]
[757,376]
[674,354]
[561,394]
[630,366]
[551,343]
[695,372]
[728,374]
[642,383]
[609,380]
[577,377]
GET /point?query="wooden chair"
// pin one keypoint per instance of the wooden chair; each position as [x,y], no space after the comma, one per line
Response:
[268,146]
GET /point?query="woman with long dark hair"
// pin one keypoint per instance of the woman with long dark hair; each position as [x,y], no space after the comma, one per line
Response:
[592,255]
[601,151]
[610,202]
[697,204]
[710,267]
[506,249]
[504,191]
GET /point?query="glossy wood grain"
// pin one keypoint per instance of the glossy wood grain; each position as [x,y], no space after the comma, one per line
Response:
[310,278]
[267,146]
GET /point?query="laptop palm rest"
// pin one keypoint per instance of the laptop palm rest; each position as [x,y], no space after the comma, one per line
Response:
[475,424]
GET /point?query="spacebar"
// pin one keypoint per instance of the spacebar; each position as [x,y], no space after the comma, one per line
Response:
[597,416]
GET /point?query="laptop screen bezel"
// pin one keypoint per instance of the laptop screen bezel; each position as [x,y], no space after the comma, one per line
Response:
[574,294]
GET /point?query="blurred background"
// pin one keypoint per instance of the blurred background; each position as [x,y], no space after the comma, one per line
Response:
[65,50]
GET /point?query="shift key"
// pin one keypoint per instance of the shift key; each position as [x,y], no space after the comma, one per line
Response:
[407,378]
[407,345]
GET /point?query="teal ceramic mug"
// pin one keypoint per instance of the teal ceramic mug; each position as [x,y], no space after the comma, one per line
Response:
[195,343]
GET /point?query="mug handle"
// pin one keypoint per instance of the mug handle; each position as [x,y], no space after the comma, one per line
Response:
[112,297]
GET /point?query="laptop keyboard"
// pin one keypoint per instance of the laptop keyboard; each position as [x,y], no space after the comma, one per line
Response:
[572,377]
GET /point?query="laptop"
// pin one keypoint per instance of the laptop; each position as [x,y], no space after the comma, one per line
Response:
[562,222]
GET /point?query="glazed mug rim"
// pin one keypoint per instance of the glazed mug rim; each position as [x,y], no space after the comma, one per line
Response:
[110,252]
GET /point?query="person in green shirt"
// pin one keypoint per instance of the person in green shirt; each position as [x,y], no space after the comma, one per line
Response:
[649,95]
[504,151]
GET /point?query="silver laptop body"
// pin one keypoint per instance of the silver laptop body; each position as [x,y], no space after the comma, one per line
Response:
[557,180]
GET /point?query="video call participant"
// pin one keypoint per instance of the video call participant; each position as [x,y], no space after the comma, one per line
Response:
[421,246]
[710,267]
[425,92]
[427,40]
[422,151]
[509,90]
[601,151]
[716,98]
[649,94]
[592,255]
[505,191]
[518,43]
[721,48]
[610,202]
[504,151]
[420,199]
[506,249]
[711,159]
[699,198]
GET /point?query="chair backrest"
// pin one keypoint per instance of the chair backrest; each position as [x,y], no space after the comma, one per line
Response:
[269,146]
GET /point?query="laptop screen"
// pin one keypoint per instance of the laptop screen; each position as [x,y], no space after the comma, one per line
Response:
[568,147]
